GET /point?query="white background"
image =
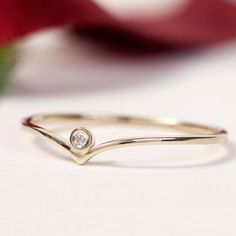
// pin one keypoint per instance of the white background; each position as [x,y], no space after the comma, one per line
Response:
[43,192]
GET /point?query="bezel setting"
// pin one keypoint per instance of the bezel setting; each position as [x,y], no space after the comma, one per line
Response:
[81,140]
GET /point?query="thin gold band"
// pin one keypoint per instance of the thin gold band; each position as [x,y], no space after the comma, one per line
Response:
[82,143]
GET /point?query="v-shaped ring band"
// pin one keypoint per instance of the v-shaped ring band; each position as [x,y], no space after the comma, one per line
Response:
[82,142]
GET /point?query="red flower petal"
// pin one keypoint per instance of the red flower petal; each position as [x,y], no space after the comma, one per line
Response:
[201,22]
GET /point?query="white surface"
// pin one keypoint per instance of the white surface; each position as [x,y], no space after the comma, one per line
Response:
[43,192]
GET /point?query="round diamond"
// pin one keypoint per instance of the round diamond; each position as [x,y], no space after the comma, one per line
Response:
[80,139]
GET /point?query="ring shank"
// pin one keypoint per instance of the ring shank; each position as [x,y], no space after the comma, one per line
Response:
[196,133]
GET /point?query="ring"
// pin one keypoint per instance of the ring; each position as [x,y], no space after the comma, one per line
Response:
[81,143]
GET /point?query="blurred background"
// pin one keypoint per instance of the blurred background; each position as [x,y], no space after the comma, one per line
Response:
[99,45]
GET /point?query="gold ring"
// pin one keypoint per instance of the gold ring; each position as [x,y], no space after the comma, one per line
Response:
[81,143]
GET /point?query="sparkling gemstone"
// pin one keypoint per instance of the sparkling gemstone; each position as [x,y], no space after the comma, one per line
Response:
[80,139]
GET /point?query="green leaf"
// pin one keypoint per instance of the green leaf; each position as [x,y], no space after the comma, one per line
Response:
[7,62]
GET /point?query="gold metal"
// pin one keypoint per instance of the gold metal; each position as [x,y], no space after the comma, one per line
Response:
[195,133]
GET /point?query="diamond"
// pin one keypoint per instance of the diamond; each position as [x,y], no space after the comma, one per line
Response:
[79,139]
